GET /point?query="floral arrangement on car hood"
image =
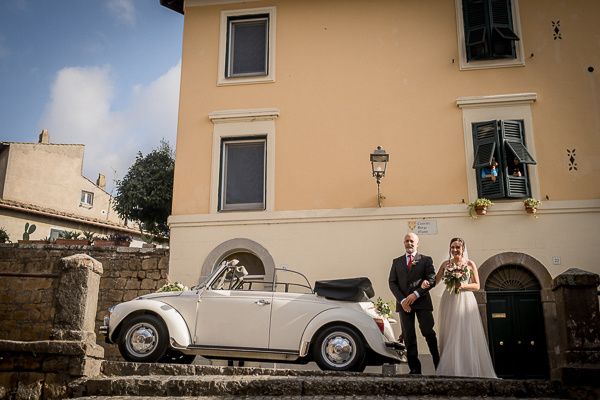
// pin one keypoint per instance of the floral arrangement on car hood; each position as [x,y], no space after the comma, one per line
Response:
[172,287]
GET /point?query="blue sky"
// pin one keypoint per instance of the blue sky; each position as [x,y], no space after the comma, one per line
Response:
[104,73]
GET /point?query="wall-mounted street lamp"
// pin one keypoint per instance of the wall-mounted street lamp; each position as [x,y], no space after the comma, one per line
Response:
[379,159]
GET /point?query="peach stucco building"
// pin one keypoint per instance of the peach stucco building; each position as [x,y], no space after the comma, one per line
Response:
[42,184]
[282,102]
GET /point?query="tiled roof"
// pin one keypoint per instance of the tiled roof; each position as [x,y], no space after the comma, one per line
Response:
[63,215]
[43,144]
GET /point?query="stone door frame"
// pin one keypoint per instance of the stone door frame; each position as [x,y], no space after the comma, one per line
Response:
[239,245]
[546,294]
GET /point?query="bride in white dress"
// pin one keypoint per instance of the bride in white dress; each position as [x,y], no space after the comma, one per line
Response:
[462,343]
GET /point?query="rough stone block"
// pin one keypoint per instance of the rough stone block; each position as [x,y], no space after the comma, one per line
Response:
[148,284]
[130,295]
[127,274]
[55,387]
[106,283]
[576,277]
[55,363]
[132,284]
[153,275]
[390,369]
[30,386]
[149,264]
[114,296]
[8,383]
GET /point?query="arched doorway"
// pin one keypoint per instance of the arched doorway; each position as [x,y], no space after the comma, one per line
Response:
[252,263]
[515,321]
[253,256]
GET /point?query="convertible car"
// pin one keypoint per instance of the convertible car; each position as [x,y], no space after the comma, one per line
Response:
[234,316]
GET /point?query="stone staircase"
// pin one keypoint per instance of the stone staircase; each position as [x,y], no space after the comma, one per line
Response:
[126,380]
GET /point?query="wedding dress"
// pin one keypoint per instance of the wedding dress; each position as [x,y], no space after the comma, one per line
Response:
[462,343]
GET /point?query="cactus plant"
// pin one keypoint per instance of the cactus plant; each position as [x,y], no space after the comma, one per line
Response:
[29,229]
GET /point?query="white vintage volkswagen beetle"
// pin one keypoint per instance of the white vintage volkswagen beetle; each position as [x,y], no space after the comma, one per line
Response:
[231,315]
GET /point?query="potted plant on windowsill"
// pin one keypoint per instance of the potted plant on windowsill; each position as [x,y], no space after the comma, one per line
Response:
[531,205]
[71,238]
[480,206]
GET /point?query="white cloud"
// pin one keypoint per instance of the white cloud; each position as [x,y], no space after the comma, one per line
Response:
[80,111]
[123,10]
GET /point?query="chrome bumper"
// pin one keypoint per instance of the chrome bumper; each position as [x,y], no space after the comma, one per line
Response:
[104,327]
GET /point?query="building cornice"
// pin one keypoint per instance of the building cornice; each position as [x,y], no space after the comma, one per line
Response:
[243,115]
[500,209]
[499,99]
[179,6]
[205,3]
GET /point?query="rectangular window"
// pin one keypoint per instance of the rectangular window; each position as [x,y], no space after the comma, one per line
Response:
[87,198]
[501,159]
[488,29]
[247,45]
[243,174]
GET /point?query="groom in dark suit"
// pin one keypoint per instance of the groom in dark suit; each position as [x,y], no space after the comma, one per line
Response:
[406,276]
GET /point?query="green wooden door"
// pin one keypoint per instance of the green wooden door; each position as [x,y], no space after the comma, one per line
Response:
[516,334]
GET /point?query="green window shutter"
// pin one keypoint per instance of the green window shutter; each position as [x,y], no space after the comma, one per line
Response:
[514,139]
[485,144]
[513,136]
[489,31]
[502,34]
[476,29]
[520,151]
[485,139]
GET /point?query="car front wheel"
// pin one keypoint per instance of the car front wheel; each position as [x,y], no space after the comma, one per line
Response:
[339,348]
[144,338]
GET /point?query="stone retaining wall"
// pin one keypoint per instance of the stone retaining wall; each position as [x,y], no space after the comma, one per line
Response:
[28,274]
[38,359]
[26,290]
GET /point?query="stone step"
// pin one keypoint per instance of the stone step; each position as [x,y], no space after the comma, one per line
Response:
[303,398]
[330,384]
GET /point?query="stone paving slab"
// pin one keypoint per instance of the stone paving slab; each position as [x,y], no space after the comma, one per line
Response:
[306,398]
[269,385]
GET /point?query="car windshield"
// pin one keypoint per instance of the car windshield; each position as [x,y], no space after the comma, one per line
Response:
[227,277]
[204,281]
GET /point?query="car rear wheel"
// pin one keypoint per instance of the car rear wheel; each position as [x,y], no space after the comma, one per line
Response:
[143,338]
[339,348]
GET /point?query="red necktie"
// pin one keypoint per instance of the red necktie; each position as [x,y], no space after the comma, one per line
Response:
[410,261]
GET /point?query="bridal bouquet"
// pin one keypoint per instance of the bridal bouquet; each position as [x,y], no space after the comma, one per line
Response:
[454,275]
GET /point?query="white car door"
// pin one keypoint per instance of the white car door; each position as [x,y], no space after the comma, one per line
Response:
[291,314]
[233,318]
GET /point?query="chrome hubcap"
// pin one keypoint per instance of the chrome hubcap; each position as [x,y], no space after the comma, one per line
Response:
[338,349]
[141,339]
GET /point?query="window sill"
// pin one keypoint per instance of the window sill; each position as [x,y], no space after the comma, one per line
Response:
[85,205]
[246,80]
[490,64]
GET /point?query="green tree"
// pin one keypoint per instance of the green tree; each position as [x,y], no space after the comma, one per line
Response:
[145,194]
